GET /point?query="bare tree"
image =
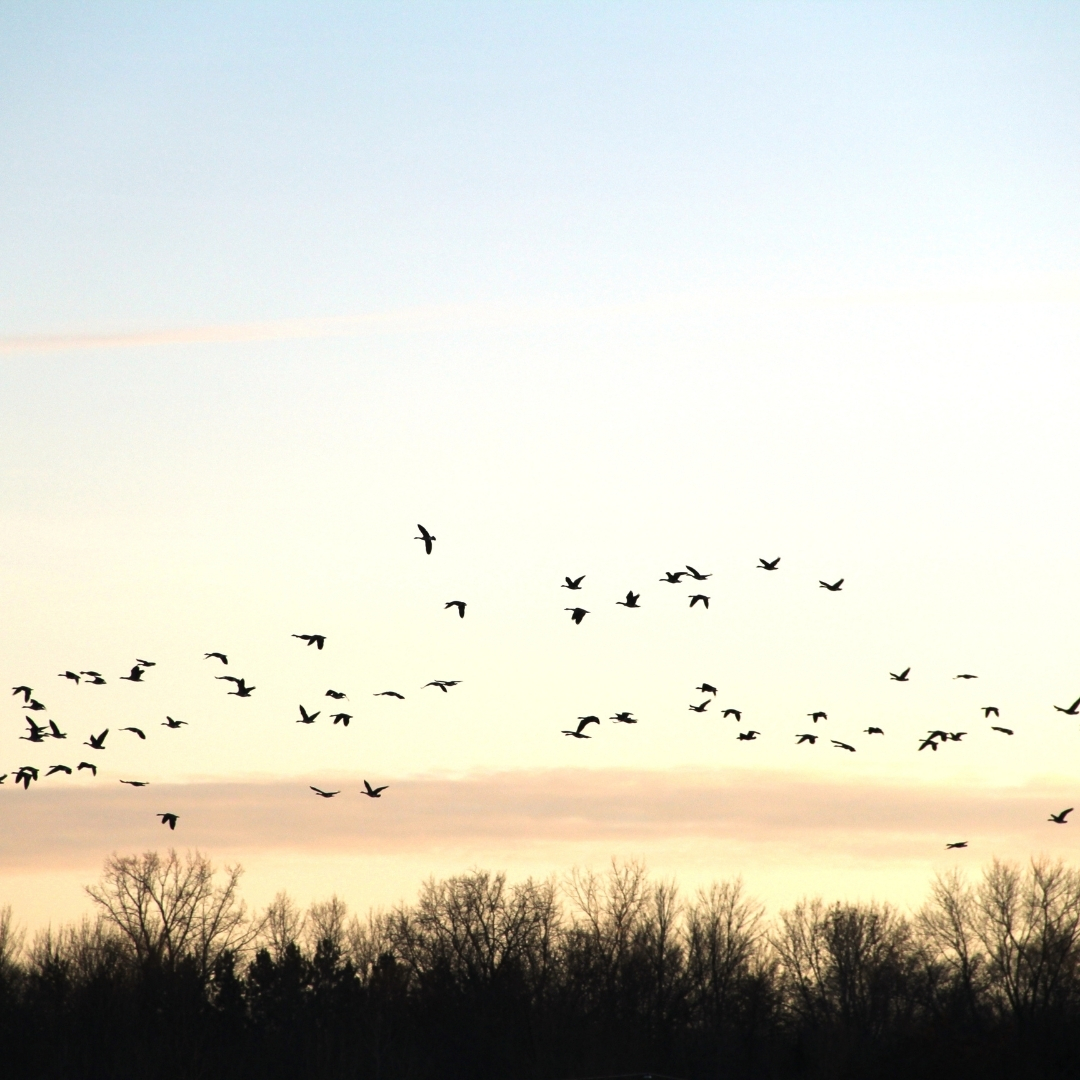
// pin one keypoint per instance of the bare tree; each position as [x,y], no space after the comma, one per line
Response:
[11,942]
[283,924]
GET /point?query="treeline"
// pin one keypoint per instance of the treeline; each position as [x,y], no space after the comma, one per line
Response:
[590,976]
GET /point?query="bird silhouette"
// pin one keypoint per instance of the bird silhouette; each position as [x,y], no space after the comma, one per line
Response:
[136,783]
[843,745]
[391,693]
[673,577]
[576,613]
[938,734]
[748,736]
[699,596]
[956,736]
[242,689]
[3,777]
[623,718]
[318,640]
[834,587]
[305,717]
[34,705]
[146,663]
[990,710]
[97,742]
[171,723]
[874,731]
[36,732]
[1059,819]
[26,691]
[929,741]
[25,775]
[342,718]
[59,768]
[965,676]
[426,537]
[56,733]
[697,575]
[706,688]
[583,722]
[459,604]
[902,677]
[702,707]
[957,844]
[1003,730]
[442,684]
[137,731]
[94,678]
[70,675]
[631,600]
[86,765]
[327,794]
[337,695]
[373,792]
[1072,710]
[819,715]
[737,713]
[811,739]
[216,656]
[573,583]
[765,564]
[136,674]
[169,819]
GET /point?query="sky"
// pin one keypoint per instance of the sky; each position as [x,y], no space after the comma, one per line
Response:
[599,289]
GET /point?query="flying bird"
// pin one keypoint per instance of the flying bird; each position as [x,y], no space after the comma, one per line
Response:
[573,583]
[1072,710]
[391,693]
[706,688]
[97,742]
[699,596]
[843,745]
[136,783]
[86,765]
[56,733]
[169,819]
[816,716]
[834,587]
[305,717]
[902,677]
[373,792]
[990,710]
[459,604]
[442,684]
[1003,730]
[1059,819]
[583,722]
[965,676]
[26,692]
[764,564]
[137,731]
[59,768]
[811,739]
[426,537]
[673,577]
[748,736]
[623,718]
[325,794]
[242,689]
[702,707]
[34,705]
[95,678]
[576,613]
[341,717]
[697,575]
[956,736]
[171,723]
[36,732]
[938,734]
[874,731]
[337,695]
[146,663]
[69,675]
[957,844]
[631,600]
[135,676]
[25,775]
[737,713]
[217,656]
[318,640]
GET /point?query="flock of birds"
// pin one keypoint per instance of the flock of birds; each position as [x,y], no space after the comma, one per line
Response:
[40,732]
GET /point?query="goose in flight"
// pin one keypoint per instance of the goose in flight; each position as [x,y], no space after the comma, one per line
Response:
[990,710]
[86,765]
[673,577]
[623,718]
[1072,710]
[737,713]
[965,676]
[36,732]
[136,674]
[305,717]
[956,736]
[137,731]
[1059,819]
[53,769]
[426,537]
[34,705]
[26,691]
[702,707]
[583,722]
[573,583]
[631,600]
[93,677]
[576,613]
[146,663]
[1003,730]
[56,733]
[765,564]
[938,734]
[902,677]
[811,739]
[929,741]
[373,792]
[459,604]
[217,656]
[337,695]
[97,742]
[748,736]
[706,688]
[318,640]
[73,676]
[834,587]
[25,774]
[442,684]
[874,731]
[171,723]
[169,819]
[342,718]
[819,715]
[957,844]
[843,745]
[391,693]
[242,689]
[697,575]
[699,596]
[325,794]
[136,783]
